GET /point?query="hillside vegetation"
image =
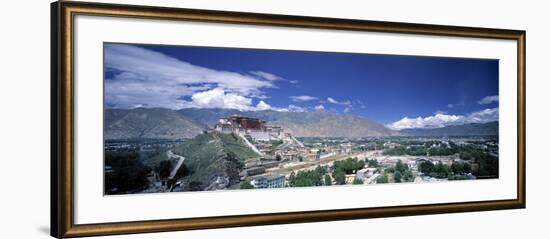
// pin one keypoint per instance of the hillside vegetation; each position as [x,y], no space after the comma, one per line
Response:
[212,155]
[150,123]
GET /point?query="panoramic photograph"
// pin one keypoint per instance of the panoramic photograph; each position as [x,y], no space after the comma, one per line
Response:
[190,118]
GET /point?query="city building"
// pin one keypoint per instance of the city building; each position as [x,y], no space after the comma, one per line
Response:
[273,181]
[346,148]
[253,171]
[365,173]
[372,179]
[254,128]
[350,178]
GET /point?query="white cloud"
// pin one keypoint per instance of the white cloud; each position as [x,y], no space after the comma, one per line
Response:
[435,121]
[265,75]
[138,76]
[360,104]
[290,108]
[294,81]
[457,105]
[486,115]
[320,107]
[295,108]
[347,110]
[218,98]
[302,98]
[263,106]
[441,120]
[333,101]
[488,100]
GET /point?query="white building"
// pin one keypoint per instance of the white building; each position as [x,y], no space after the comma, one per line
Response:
[255,128]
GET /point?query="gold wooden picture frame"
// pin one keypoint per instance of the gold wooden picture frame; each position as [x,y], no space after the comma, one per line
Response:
[63,120]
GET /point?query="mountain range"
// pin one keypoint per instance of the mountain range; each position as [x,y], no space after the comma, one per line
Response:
[472,129]
[318,123]
[148,123]
[159,123]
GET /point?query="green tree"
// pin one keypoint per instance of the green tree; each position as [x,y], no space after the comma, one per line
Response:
[291,179]
[382,179]
[408,176]
[328,180]
[164,168]
[440,170]
[359,165]
[195,186]
[308,178]
[339,177]
[183,171]
[246,185]
[321,170]
[397,176]
[357,181]
[466,155]
[349,166]
[457,168]
[373,163]
[467,168]
[426,167]
[487,166]
[400,166]
[127,172]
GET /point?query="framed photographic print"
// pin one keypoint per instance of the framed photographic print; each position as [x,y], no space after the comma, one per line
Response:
[172,119]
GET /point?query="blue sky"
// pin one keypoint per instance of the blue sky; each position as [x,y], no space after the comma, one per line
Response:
[399,91]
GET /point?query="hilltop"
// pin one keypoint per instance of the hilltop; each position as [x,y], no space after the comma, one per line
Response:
[212,155]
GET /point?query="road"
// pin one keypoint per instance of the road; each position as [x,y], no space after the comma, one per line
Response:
[170,154]
[250,145]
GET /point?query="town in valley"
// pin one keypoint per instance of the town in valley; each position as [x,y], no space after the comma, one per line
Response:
[260,155]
